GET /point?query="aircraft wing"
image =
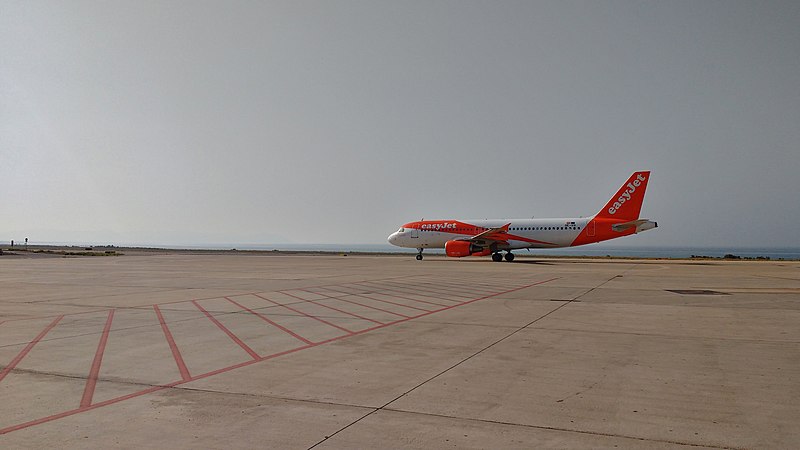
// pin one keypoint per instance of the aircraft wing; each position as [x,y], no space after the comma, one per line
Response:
[499,234]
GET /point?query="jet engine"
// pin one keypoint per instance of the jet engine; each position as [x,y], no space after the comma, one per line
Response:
[458,249]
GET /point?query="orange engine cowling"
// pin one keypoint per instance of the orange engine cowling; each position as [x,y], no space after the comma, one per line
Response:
[458,249]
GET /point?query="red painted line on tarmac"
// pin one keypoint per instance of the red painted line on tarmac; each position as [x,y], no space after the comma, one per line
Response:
[331,307]
[417,285]
[91,380]
[28,348]
[240,365]
[463,290]
[172,346]
[307,315]
[106,309]
[487,282]
[437,289]
[379,300]
[471,282]
[150,390]
[203,298]
[266,319]
[459,283]
[307,287]
[461,286]
[58,315]
[361,304]
[222,327]
[413,291]
[409,298]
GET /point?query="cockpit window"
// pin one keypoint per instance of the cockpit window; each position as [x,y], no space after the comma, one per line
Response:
[401,230]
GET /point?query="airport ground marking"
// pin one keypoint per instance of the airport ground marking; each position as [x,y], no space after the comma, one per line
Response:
[176,354]
[271,322]
[471,283]
[406,290]
[466,290]
[374,295]
[172,302]
[314,302]
[333,308]
[400,297]
[100,309]
[186,377]
[432,289]
[225,329]
[413,290]
[91,380]
[412,299]
[378,300]
[367,296]
[305,314]
[106,308]
[24,352]
[331,297]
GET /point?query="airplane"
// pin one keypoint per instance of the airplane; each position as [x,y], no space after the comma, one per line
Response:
[459,238]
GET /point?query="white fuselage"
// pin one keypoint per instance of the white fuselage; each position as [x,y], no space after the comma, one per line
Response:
[522,233]
[619,217]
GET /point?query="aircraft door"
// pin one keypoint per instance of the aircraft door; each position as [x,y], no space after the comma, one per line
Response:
[590,230]
[414,233]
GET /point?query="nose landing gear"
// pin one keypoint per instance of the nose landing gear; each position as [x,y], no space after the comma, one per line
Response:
[419,255]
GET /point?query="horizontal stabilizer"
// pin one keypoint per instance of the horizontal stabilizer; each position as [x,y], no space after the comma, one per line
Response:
[641,225]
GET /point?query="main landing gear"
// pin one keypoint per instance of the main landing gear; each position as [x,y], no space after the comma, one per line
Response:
[497,257]
[419,255]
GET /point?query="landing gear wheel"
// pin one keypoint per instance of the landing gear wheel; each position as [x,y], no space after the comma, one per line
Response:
[509,256]
[419,255]
[497,257]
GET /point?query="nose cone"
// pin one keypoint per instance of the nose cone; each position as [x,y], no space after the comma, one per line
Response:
[392,238]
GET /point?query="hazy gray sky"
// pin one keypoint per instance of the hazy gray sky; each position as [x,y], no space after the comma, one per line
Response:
[337,121]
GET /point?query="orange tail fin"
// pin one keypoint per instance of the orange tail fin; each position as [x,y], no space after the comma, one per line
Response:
[627,203]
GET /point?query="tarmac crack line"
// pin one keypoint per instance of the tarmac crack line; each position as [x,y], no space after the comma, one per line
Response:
[668,336]
[567,430]
[445,416]
[517,330]
[421,413]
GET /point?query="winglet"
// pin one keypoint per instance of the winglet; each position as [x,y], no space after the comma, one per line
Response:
[627,203]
